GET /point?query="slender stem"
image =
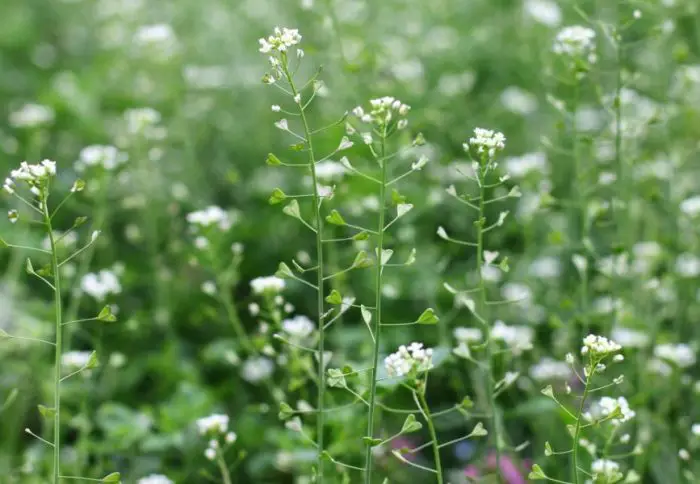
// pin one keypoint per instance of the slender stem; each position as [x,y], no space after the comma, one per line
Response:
[59,344]
[378,311]
[234,319]
[318,220]
[623,231]
[225,474]
[577,430]
[488,370]
[425,410]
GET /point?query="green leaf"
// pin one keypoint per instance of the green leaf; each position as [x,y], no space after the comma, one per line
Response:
[335,218]
[286,411]
[371,441]
[402,209]
[272,160]
[466,402]
[411,425]
[284,272]
[297,146]
[334,298]
[503,265]
[29,267]
[78,186]
[419,140]
[361,236]
[411,258]
[106,315]
[93,362]
[79,221]
[47,412]
[114,477]
[277,197]
[292,209]
[548,391]
[428,317]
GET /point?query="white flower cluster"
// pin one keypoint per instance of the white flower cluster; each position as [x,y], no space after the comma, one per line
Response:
[75,360]
[100,285]
[107,157]
[212,215]
[576,41]
[549,369]
[409,358]
[382,111]
[486,141]
[215,425]
[281,40]
[680,354]
[298,328]
[158,38]
[607,406]
[155,479]
[605,470]
[517,338]
[269,284]
[143,122]
[599,346]
[34,175]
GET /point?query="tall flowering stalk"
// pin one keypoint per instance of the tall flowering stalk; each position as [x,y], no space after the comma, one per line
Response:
[36,180]
[278,46]
[483,148]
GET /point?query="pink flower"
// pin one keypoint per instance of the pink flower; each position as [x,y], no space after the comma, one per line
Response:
[472,472]
[400,443]
[509,470]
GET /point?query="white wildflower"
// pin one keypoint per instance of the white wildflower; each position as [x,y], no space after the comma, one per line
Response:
[257,369]
[155,479]
[108,157]
[607,406]
[599,346]
[486,141]
[101,284]
[212,215]
[408,359]
[213,424]
[298,328]
[549,369]
[468,335]
[75,360]
[517,338]
[605,470]
[271,284]
[576,41]
[280,41]
[32,116]
[680,354]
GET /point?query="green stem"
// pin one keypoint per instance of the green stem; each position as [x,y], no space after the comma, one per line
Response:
[425,410]
[225,474]
[621,221]
[59,343]
[234,319]
[489,373]
[318,220]
[577,430]
[378,311]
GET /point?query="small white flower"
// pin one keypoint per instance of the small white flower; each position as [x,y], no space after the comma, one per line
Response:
[210,453]
[108,157]
[280,41]
[607,406]
[575,41]
[276,108]
[549,369]
[271,284]
[101,284]
[231,437]
[75,360]
[254,309]
[210,216]
[32,116]
[257,369]
[605,470]
[680,354]
[683,454]
[467,335]
[695,429]
[209,288]
[486,141]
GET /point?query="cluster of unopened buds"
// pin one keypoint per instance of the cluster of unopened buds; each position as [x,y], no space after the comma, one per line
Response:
[408,359]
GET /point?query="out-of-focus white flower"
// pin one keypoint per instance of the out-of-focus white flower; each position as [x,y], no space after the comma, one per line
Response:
[212,215]
[518,101]
[545,267]
[576,41]
[158,38]
[630,338]
[108,157]
[607,406]
[598,346]
[545,12]
[268,284]
[605,470]
[549,369]
[517,338]
[257,369]
[468,335]
[209,288]
[100,285]
[382,111]
[143,122]
[520,166]
[32,116]
[695,429]
[409,358]
[298,328]
[75,360]
[687,265]
[680,354]
[330,170]
[213,424]
[155,479]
